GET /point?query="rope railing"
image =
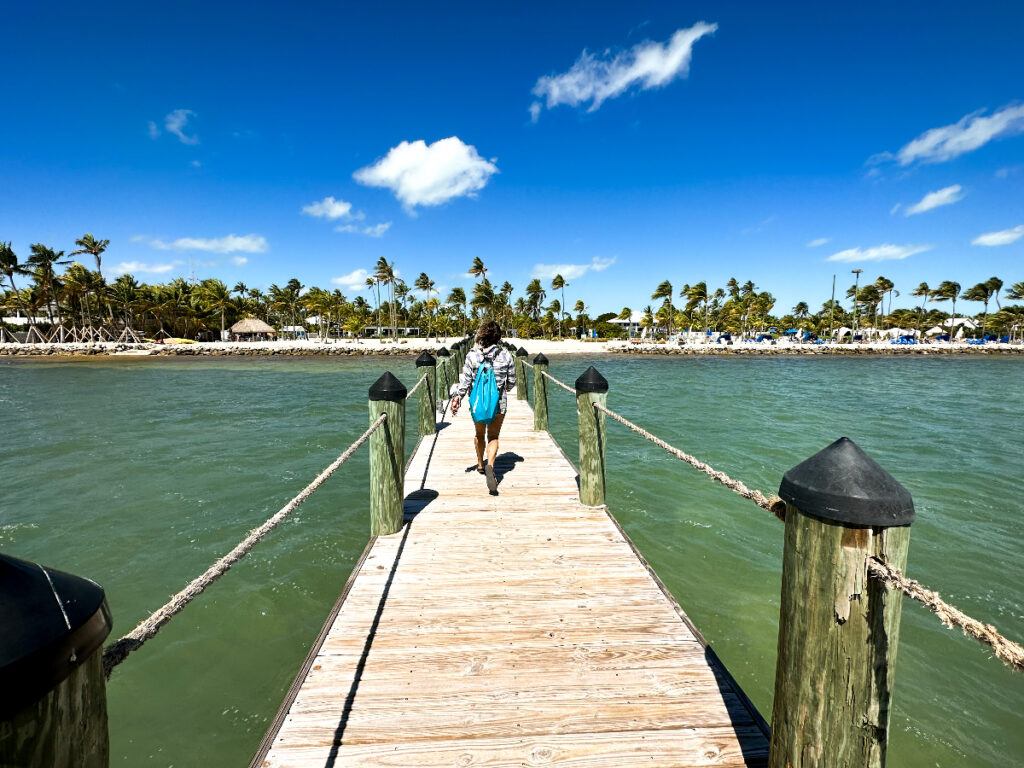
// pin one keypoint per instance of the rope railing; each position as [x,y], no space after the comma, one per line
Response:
[772,504]
[1006,650]
[416,386]
[561,384]
[118,651]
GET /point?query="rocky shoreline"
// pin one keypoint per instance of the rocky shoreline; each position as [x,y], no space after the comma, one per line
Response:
[121,350]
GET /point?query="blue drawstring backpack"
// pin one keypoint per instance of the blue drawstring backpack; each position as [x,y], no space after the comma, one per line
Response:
[484,399]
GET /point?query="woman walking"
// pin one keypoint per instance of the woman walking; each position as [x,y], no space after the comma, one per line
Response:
[488,354]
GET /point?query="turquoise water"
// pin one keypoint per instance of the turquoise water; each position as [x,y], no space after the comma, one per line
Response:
[139,473]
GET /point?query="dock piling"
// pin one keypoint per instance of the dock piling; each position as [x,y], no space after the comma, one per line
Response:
[426,364]
[838,629]
[522,390]
[53,711]
[387,456]
[444,366]
[591,388]
[540,394]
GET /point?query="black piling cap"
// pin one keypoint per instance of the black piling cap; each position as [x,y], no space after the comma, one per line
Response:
[387,387]
[53,622]
[521,352]
[443,352]
[591,381]
[425,359]
[844,484]
[540,359]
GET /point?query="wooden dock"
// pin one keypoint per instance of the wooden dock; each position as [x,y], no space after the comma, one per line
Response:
[520,629]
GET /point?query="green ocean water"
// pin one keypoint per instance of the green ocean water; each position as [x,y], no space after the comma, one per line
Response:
[139,473]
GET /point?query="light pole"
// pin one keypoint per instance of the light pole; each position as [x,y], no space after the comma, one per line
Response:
[856,290]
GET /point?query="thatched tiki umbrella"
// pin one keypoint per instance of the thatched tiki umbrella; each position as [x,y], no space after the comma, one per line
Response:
[251,329]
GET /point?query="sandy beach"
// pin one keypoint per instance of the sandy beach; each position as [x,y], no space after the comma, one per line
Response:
[550,347]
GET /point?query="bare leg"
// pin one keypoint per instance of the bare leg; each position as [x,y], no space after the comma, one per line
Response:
[493,430]
[478,443]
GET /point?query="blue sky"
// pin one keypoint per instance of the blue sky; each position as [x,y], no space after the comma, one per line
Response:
[684,141]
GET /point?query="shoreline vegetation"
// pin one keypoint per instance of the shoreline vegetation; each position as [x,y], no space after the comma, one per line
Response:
[413,346]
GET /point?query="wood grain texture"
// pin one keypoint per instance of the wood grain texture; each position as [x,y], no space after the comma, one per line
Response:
[387,465]
[518,629]
[592,447]
[428,400]
[540,398]
[838,634]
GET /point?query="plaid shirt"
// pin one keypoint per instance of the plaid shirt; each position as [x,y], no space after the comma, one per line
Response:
[504,369]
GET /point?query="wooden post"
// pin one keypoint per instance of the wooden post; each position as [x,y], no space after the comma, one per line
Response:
[522,390]
[387,456]
[444,365]
[839,629]
[591,387]
[427,367]
[540,393]
[53,711]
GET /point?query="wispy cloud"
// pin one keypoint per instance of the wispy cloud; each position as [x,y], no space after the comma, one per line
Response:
[571,271]
[967,134]
[372,230]
[141,267]
[429,174]
[936,199]
[818,242]
[152,130]
[176,123]
[331,209]
[239,261]
[226,244]
[594,79]
[353,281]
[1002,237]
[885,252]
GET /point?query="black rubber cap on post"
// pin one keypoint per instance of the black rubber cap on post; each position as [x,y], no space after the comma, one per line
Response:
[387,387]
[443,352]
[540,359]
[521,352]
[425,359]
[53,621]
[591,381]
[843,484]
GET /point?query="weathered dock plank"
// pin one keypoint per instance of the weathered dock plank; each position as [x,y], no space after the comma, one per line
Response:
[519,629]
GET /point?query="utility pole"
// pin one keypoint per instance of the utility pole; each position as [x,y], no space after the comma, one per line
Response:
[856,292]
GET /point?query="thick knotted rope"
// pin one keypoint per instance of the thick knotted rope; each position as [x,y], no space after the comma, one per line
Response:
[561,384]
[118,651]
[1007,651]
[772,504]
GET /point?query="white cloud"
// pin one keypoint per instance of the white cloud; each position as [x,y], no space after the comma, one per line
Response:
[353,281]
[534,110]
[885,252]
[176,122]
[936,199]
[429,174]
[152,130]
[196,164]
[226,244]
[1002,237]
[646,65]
[239,261]
[570,271]
[818,242]
[966,135]
[133,267]
[372,230]
[331,209]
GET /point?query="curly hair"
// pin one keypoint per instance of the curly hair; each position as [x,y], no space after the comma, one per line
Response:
[488,333]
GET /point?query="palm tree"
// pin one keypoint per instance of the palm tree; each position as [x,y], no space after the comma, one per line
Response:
[558,282]
[1016,291]
[696,295]
[924,292]
[240,288]
[425,284]
[457,298]
[374,284]
[217,299]
[982,292]
[89,244]
[385,274]
[664,291]
[484,298]
[948,291]
[535,296]
[995,285]
[43,260]
[627,315]
[477,269]
[9,267]
[885,286]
